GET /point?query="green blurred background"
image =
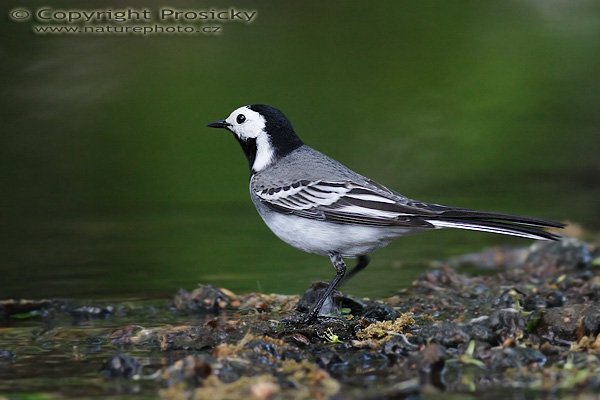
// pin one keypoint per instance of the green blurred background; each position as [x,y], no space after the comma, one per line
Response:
[113,187]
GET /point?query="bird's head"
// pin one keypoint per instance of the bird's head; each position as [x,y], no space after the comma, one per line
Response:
[264,133]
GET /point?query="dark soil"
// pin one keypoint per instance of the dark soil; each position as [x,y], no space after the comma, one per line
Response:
[529,329]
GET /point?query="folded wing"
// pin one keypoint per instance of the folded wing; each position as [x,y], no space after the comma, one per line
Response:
[374,205]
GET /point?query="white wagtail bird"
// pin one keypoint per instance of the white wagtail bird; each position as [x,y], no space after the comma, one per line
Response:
[318,205]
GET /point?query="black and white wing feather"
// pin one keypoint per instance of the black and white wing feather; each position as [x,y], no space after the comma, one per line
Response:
[371,204]
[342,202]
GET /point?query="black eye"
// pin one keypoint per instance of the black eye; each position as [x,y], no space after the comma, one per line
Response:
[240,118]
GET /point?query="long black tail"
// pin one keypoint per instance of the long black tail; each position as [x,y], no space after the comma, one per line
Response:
[505,224]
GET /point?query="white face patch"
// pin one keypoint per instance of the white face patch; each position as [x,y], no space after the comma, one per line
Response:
[248,124]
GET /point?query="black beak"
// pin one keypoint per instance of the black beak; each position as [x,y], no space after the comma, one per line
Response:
[219,124]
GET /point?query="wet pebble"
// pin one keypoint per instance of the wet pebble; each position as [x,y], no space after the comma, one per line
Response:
[310,297]
[328,359]
[204,299]
[397,347]
[380,312]
[510,298]
[121,365]
[591,322]
[514,357]
[298,339]
[446,334]
[563,322]
[7,355]
[364,361]
[506,321]
[483,332]
[568,253]
[192,369]
[87,311]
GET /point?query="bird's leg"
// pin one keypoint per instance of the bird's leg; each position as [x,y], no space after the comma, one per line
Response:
[340,271]
[362,263]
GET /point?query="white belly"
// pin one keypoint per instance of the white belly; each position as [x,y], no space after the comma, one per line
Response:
[321,237]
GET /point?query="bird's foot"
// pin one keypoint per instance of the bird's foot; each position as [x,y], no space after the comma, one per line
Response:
[310,318]
[306,320]
[300,320]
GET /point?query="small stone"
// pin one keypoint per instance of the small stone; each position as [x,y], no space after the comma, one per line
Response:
[204,299]
[568,252]
[121,365]
[563,321]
